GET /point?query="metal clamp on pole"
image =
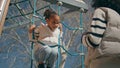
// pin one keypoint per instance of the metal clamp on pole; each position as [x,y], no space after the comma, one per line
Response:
[82,54]
[82,10]
[59,3]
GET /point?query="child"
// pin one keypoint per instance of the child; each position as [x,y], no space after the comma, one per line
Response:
[103,38]
[48,34]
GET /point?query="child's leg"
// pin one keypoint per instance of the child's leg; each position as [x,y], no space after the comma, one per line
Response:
[41,65]
[42,54]
[52,58]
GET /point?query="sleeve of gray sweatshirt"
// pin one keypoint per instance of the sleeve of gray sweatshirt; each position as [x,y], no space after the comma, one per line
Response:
[96,31]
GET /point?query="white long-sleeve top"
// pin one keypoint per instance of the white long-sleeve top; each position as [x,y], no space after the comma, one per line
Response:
[47,36]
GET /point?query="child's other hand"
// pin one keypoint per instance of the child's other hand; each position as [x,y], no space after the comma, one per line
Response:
[32,27]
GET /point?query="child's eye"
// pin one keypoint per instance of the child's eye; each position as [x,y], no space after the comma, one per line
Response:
[55,22]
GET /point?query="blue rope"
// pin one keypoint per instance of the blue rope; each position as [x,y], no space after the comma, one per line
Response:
[82,47]
[69,53]
[75,54]
[59,51]
[70,28]
[32,44]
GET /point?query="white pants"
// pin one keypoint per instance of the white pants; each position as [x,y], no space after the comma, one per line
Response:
[47,54]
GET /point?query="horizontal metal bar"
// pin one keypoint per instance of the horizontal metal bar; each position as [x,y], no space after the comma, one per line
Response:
[72,4]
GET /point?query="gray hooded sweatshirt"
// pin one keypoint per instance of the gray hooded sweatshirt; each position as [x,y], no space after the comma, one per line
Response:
[103,40]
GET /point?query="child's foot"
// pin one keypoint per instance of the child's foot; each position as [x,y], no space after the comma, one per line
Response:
[48,67]
[41,66]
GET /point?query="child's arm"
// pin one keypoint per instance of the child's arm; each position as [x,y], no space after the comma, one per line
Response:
[32,27]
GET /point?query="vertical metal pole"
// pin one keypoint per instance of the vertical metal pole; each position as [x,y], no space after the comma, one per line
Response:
[59,55]
[59,50]
[81,46]
[4,5]
[32,44]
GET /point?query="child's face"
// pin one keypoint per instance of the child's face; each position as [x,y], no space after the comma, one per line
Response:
[53,22]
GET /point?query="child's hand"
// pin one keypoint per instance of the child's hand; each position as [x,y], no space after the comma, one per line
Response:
[32,27]
[60,26]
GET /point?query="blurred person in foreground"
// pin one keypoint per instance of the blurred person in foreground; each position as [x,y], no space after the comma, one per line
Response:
[103,38]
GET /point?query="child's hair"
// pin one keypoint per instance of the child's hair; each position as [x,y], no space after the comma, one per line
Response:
[48,13]
[113,4]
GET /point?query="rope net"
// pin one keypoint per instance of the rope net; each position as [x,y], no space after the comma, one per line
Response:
[14,38]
